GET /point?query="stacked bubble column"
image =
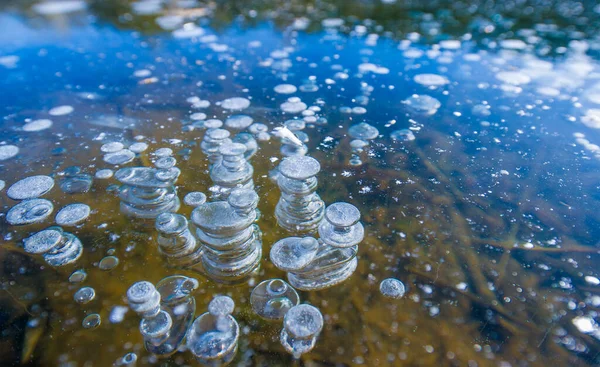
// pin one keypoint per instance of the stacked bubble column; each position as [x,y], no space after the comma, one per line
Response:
[231,243]
[233,171]
[312,264]
[147,192]
[300,209]
[177,244]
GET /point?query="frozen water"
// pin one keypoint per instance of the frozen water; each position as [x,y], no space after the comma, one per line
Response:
[238,122]
[392,288]
[8,151]
[29,211]
[76,183]
[37,125]
[30,187]
[72,214]
[235,104]
[272,298]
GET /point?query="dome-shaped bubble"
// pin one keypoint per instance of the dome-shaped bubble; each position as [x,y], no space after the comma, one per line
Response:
[29,211]
[402,135]
[84,295]
[91,321]
[422,104]
[303,321]
[72,214]
[299,167]
[42,241]
[392,288]
[8,151]
[235,103]
[221,306]
[341,227]
[30,187]
[248,141]
[239,122]
[157,326]
[112,147]
[144,299]
[301,327]
[195,198]
[285,89]
[431,80]
[363,131]
[272,298]
[293,253]
[120,157]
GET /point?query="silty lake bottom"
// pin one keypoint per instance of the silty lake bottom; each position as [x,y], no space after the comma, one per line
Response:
[466,134]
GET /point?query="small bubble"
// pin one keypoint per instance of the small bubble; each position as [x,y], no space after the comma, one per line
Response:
[392,288]
[78,276]
[91,321]
[108,263]
[84,295]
